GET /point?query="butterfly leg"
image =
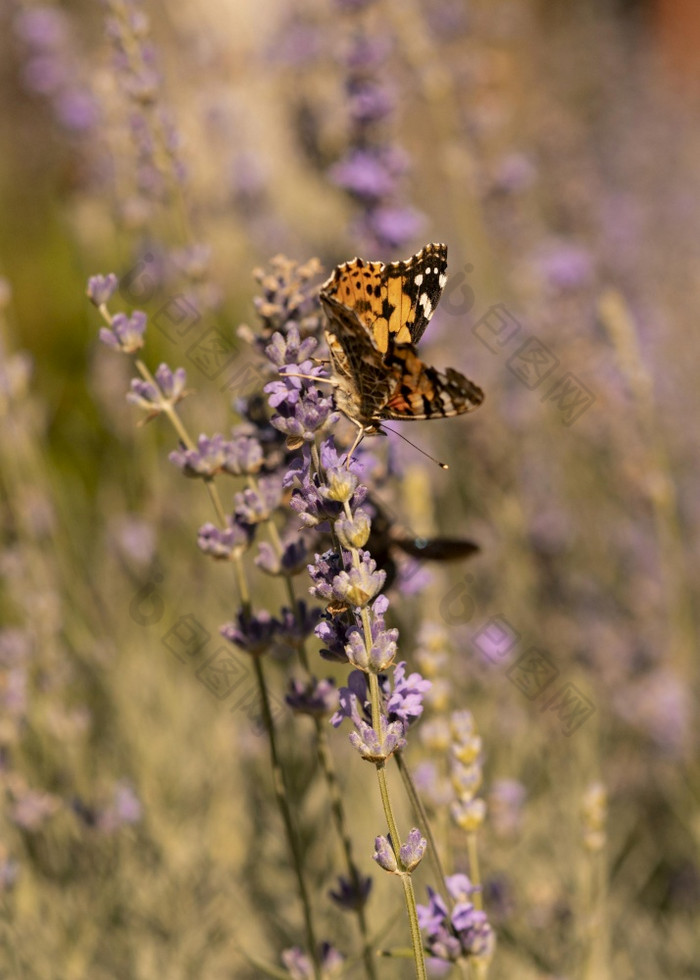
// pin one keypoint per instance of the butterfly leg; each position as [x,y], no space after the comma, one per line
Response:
[358,439]
[309,377]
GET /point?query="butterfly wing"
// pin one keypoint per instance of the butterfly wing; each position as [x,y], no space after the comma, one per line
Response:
[437,549]
[412,290]
[419,391]
[394,301]
[363,381]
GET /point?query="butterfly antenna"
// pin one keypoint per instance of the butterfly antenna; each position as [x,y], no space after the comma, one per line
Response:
[443,466]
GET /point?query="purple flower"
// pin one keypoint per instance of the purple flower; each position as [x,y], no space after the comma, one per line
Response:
[100,289]
[353,532]
[376,746]
[76,110]
[333,634]
[171,383]
[125,333]
[393,226]
[369,175]
[154,399]
[359,586]
[317,698]
[463,933]
[353,701]
[296,625]
[406,699]
[369,102]
[145,395]
[289,351]
[42,27]
[256,505]
[294,557]
[384,854]
[253,633]
[368,51]
[223,544]
[289,301]
[214,454]
[301,420]
[299,964]
[506,799]
[412,850]
[313,500]
[340,484]
[323,571]
[565,266]
[352,895]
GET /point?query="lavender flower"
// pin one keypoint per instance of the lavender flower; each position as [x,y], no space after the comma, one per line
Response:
[300,967]
[412,850]
[296,625]
[125,333]
[384,854]
[214,454]
[371,168]
[317,698]
[254,505]
[168,390]
[354,704]
[462,933]
[235,538]
[352,894]
[254,633]
[291,561]
[100,289]
[377,746]
[359,586]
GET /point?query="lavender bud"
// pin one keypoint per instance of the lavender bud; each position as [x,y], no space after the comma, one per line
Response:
[125,334]
[353,532]
[374,748]
[234,539]
[341,483]
[352,895]
[412,851]
[317,698]
[384,854]
[253,633]
[356,651]
[100,289]
[468,814]
[360,585]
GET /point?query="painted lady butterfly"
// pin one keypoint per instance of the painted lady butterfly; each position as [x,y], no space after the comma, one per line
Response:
[376,314]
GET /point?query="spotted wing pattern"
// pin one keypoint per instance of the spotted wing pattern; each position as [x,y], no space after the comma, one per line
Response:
[373,386]
[394,300]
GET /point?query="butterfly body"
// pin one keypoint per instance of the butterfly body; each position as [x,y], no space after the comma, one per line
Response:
[376,314]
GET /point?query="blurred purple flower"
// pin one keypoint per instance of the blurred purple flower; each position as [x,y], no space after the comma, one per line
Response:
[313,697]
[125,333]
[223,544]
[352,895]
[253,632]
[565,266]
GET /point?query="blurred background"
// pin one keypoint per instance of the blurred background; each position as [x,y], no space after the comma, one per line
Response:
[555,148]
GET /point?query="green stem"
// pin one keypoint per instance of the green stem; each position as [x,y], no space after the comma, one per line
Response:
[327,767]
[422,819]
[285,810]
[474,872]
[378,725]
[416,940]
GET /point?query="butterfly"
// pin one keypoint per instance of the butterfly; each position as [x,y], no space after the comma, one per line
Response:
[376,315]
[387,538]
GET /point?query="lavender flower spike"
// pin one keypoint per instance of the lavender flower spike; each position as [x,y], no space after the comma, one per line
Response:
[125,333]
